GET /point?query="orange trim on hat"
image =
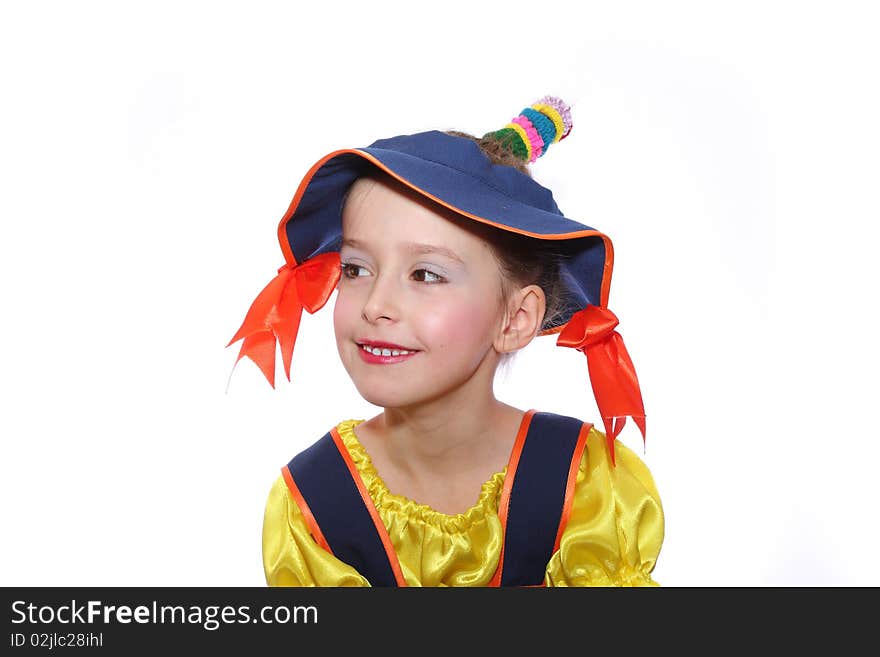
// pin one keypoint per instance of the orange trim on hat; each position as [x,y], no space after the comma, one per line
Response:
[291,260]
[317,534]
[504,503]
[371,507]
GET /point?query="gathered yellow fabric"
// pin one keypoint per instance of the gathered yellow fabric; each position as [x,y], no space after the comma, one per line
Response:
[612,538]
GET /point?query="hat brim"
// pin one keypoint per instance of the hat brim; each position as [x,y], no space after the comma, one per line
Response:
[313,222]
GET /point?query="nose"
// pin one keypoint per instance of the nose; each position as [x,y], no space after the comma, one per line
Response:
[381,302]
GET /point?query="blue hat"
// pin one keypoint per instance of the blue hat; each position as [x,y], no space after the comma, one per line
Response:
[453,172]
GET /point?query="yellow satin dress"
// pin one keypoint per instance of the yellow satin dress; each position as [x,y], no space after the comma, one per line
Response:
[612,538]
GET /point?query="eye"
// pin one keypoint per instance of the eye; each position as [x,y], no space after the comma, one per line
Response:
[347,267]
[437,277]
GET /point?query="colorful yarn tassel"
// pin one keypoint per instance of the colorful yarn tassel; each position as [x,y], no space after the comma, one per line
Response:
[530,134]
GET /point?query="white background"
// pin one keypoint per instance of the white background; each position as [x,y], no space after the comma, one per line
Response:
[148,151]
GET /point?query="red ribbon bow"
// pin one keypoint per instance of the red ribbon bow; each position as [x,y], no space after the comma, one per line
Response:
[612,374]
[277,310]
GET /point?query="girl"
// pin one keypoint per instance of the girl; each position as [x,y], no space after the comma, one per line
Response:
[448,258]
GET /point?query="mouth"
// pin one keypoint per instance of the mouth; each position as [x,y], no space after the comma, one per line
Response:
[384,354]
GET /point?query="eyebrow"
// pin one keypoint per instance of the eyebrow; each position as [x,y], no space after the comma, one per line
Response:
[412,247]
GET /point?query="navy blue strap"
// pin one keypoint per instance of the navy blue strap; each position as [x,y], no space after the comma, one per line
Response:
[537,497]
[326,484]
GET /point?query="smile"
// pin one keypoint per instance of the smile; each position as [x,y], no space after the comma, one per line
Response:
[382,355]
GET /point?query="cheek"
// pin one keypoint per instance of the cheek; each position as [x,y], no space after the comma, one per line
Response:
[457,323]
[342,315]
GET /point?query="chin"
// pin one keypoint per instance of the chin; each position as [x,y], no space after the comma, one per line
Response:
[395,393]
[386,399]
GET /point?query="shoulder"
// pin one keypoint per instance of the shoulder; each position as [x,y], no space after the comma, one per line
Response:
[615,524]
[625,477]
[601,464]
[291,554]
[596,461]
[596,452]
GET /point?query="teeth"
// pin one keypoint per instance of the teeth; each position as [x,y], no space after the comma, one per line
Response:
[379,351]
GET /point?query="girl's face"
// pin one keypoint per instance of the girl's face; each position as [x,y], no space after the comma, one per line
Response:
[411,277]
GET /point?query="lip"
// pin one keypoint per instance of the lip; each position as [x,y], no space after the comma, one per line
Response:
[367,357]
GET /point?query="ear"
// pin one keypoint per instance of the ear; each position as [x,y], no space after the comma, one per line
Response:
[522,321]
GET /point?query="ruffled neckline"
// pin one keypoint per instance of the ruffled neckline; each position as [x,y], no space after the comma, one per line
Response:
[384,499]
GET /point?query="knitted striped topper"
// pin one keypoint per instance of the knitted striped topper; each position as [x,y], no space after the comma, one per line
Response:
[529,135]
